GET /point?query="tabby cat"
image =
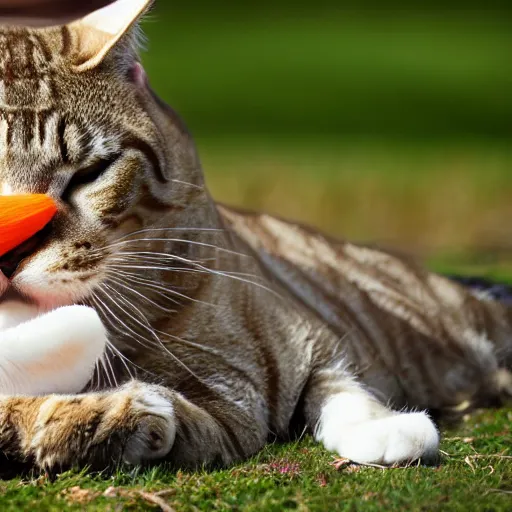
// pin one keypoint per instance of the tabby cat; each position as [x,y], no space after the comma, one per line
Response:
[226,328]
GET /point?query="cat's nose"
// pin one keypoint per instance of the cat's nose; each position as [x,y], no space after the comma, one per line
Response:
[10,262]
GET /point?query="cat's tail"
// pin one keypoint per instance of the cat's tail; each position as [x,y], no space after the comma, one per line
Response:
[485,288]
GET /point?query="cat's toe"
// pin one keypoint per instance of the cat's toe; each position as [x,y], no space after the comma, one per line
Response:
[155,430]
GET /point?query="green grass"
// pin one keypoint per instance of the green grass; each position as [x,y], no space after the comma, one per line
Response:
[475,474]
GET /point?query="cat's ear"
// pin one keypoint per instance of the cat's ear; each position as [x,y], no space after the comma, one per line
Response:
[93,37]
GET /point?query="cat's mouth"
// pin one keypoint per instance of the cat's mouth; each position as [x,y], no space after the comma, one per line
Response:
[44,302]
[12,295]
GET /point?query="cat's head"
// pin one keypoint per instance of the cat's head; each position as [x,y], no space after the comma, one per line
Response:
[79,122]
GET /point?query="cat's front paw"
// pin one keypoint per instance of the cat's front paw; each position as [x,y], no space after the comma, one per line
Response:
[396,439]
[155,429]
[52,353]
[134,424]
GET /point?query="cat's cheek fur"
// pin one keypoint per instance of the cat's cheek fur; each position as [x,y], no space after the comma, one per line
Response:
[366,432]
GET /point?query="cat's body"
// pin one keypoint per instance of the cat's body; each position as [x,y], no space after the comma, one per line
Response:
[225,327]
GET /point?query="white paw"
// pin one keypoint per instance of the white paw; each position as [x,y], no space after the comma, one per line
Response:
[402,437]
[52,353]
[156,427]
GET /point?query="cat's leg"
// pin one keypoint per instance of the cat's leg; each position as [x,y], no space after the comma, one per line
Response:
[134,424]
[350,421]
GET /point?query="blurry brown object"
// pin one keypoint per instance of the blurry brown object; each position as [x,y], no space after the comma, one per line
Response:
[46,12]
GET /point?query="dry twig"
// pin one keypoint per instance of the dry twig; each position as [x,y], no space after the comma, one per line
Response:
[156,500]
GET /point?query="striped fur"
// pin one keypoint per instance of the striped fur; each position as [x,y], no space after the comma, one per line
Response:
[226,328]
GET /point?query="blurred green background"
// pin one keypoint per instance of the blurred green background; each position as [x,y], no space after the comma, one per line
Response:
[374,120]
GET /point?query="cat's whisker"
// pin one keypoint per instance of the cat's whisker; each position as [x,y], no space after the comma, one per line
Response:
[123,243]
[129,331]
[184,260]
[246,281]
[193,185]
[205,270]
[147,327]
[181,259]
[158,266]
[155,256]
[195,264]
[178,270]
[202,348]
[119,282]
[174,292]
[106,370]
[108,346]
[102,372]
[132,260]
[95,381]
[189,343]
[148,284]
[143,322]
[124,360]
[150,254]
[129,262]
[131,265]
[192,230]
[109,363]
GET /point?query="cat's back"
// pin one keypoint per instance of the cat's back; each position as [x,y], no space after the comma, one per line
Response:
[322,270]
[405,329]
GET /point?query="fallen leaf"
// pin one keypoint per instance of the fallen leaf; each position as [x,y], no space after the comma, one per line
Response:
[341,462]
[111,492]
[468,462]
[353,468]
[78,495]
[491,468]
[322,480]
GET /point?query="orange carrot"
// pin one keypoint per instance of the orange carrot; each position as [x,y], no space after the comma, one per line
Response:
[21,217]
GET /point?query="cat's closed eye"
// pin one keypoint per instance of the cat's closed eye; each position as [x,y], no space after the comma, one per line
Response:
[88,175]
